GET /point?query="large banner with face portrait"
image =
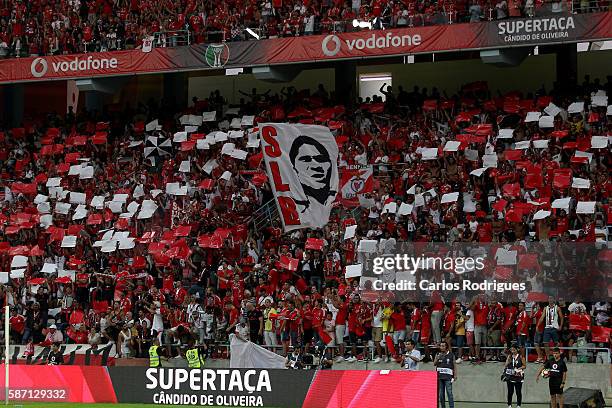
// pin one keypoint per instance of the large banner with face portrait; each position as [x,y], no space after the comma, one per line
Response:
[302,164]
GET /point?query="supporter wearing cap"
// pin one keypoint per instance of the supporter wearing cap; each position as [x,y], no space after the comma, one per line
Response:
[53,336]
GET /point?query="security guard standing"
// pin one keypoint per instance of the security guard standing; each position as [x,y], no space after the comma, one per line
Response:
[194,358]
[154,357]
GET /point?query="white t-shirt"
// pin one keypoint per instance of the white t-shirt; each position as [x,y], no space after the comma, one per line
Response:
[469,324]
[377,319]
[410,364]
[576,308]
[158,321]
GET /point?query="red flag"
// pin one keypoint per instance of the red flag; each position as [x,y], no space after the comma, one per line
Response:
[36,251]
[299,112]
[187,145]
[529,262]
[513,154]
[512,189]
[259,179]
[513,215]
[182,231]
[100,306]
[559,134]
[390,345]
[600,334]
[537,297]
[254,160]
[580,322]
[325,338]
[562,180]
[579,160]
[533,180]
[289,263]
[314,243]
[72,158]
[301,285]
[503,272]
[94,219]
[63,168]
[499,205]
[207,184]
[37,281]
[223,233]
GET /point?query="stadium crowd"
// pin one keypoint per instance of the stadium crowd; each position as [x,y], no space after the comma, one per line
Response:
[65,27]
[123,226]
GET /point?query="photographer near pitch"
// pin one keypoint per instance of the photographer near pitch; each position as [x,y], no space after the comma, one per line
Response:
[514,374]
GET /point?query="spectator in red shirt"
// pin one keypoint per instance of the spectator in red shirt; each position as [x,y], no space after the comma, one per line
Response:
[180,293]
[522,327]
[398,320]
[17,324]
[358,317]
[437,311]
[481,312]
[538,336]
[291,326]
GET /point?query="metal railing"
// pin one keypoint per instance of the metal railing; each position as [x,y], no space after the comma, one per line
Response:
[175,38]
[265,215]
[594,355]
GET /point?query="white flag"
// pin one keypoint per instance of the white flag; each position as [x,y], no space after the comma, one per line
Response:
[302,165]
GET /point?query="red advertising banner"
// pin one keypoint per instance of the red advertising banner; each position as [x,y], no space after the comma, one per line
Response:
[373,388]
[558,28]
[48,383]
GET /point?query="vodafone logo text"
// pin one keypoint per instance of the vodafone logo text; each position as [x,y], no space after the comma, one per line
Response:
[332,44]
[40,66]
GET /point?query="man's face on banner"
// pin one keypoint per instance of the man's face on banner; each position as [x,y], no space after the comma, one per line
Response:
[312,167]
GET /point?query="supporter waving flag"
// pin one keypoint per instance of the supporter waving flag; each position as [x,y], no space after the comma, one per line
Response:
[302,164]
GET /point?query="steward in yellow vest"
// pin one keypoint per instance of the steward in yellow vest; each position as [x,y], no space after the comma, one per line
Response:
[154,357]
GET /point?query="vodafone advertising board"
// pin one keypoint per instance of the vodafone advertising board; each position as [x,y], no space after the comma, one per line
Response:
[97,64]
[332,44]
[40,67]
